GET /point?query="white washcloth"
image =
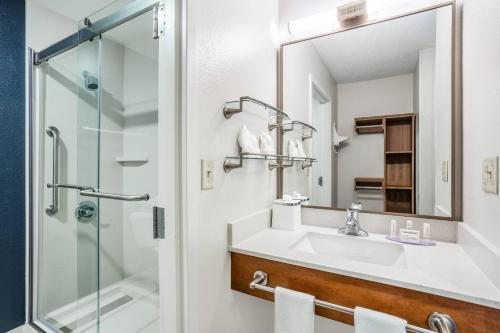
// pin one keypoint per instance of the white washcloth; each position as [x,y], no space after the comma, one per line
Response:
[266,144]
[248,141]
[293,312]
[369,321]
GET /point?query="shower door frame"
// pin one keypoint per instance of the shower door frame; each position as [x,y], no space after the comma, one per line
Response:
[169,152]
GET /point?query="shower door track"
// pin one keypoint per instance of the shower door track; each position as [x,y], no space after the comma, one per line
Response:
[94,29]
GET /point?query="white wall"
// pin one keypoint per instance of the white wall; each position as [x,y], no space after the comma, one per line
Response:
[391,95]
[481,116]
[300,62]
[426,167]
[231,53]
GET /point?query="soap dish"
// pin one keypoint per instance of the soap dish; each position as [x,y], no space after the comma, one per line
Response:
[422,242]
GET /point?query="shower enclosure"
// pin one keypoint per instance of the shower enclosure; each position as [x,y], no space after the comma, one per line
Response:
[103,205]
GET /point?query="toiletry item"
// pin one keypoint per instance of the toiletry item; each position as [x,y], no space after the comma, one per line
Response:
[394,228]
[366,320]
[409,236]
[287,214]
[292,148]
[304,200]
[427,231]
[409,224]
[266,144]
[248,141]
[293,311]
[300,149]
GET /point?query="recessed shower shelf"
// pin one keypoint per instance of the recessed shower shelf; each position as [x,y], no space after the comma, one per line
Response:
[233,107]
[307,130]
[132,159]
[275,161]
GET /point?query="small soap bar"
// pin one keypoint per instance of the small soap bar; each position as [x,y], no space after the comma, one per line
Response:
[394,228]
[409,224]
[427,231]
[407,235]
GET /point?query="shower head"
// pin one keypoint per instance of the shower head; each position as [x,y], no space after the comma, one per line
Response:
[91,82]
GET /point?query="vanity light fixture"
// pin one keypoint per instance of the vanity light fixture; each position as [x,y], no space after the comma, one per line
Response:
[328,21]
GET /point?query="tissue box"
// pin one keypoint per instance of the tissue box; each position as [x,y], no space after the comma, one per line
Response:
[287,214]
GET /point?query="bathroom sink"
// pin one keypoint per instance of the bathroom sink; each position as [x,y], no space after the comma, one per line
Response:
[352,248]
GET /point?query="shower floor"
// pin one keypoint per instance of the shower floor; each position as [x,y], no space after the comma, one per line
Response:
[128,306]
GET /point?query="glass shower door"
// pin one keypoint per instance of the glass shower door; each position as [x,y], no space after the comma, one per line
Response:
[68,253]
[98,225]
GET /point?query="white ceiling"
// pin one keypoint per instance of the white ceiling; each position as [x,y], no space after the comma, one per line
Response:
[380,50]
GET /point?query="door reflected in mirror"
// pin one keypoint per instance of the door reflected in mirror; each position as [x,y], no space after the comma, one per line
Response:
[380,99]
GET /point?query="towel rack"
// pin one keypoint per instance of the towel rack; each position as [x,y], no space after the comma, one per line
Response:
[438,322]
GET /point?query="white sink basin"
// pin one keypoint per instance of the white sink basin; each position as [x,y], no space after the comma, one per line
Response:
[352,248]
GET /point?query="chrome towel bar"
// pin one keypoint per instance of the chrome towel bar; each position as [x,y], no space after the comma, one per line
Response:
[115,196]
[439,322]
[88,191]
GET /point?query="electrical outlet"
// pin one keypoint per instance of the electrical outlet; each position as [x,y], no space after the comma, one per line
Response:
[207,174]
[490,175]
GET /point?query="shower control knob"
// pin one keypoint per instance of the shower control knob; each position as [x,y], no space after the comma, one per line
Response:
[86,211]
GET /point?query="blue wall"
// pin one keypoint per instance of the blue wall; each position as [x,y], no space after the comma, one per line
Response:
[12,210]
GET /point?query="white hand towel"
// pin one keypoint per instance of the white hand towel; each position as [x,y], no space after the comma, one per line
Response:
[248,141]
[266,144]
[293,312]
[369,321]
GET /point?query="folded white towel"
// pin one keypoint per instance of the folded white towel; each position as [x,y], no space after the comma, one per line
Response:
[369,321]
[293,312]
[266,144]
[300,149]
[248,141]
[338,139]
[292,148]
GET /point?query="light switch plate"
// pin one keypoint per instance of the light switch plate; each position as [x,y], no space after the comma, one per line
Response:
[490,175]
[444,171]
[207,174]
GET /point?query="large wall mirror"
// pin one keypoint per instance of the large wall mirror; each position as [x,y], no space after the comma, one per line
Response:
[381,98]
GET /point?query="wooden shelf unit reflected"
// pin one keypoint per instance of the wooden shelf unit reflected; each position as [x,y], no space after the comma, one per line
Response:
[398,183]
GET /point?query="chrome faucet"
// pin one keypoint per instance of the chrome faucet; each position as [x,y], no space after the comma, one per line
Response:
[352,227]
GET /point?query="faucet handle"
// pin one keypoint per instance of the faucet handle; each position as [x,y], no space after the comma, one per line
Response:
[356,206]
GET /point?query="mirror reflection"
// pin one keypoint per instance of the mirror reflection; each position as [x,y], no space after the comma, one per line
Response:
[382,114]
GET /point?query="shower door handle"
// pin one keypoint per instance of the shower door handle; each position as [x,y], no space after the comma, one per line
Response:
[114,196]
[53,132]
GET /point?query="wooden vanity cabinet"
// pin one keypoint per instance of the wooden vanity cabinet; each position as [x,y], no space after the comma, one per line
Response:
[414,306]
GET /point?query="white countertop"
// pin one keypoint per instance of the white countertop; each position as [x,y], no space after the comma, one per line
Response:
[444,269]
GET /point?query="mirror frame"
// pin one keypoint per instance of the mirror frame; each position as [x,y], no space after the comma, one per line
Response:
[456,108]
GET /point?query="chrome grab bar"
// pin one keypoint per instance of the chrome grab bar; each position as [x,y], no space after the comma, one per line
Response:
[53,132]
[114,196]
[439,322]
[89,191]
